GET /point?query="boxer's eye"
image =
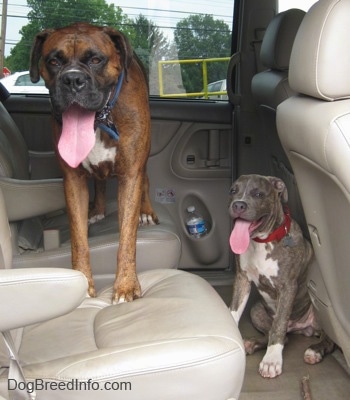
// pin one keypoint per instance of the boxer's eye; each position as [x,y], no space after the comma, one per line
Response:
[54,62]
[95,60]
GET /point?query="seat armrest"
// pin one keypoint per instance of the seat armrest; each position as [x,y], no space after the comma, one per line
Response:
[32,295]
[31,198]
[44,165]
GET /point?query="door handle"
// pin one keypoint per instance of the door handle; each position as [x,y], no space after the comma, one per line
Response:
[213,159]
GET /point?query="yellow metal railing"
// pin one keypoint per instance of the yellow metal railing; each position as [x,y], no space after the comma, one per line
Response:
[204,62]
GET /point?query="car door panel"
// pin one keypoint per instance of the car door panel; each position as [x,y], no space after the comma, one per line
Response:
[194,167]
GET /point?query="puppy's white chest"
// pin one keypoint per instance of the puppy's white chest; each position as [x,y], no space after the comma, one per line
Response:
[256,262]
[99,153]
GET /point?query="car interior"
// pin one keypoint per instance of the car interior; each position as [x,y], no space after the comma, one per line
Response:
[286,114]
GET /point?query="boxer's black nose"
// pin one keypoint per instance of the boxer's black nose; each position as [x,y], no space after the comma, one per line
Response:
[239,206]
[75,80]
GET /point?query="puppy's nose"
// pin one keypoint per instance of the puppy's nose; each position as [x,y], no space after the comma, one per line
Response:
[239,206]
[75,80]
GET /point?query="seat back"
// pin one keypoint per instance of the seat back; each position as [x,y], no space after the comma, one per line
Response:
[14,156]
[314,128]
[14,172]
[270,88]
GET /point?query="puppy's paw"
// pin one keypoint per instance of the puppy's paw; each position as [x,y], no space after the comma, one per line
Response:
[312,356]
[271,364]
[316,352]
[126,290]
[249,346]
[254,344]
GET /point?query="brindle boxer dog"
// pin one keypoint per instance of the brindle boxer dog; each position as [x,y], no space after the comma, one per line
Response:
[99,96]
[272,253]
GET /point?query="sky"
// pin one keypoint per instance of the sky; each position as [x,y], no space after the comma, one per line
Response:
[164,13]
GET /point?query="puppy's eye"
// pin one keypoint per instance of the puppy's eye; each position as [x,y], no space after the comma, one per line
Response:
[233,191]
[259,195]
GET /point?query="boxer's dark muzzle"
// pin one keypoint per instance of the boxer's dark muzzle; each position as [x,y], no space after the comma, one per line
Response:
[74,80]
[75,86]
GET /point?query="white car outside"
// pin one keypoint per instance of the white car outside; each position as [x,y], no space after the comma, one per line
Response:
[217,87]
[20,83]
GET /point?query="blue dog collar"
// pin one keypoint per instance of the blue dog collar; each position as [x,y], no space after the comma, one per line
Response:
[102,119]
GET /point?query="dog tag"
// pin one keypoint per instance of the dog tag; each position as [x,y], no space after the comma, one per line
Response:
[288,241]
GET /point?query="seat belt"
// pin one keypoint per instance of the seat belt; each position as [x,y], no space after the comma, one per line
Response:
[230,79]
[15,373]
[256,46]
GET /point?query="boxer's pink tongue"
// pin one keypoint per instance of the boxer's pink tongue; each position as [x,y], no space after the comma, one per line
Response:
[78,135]
[239,239]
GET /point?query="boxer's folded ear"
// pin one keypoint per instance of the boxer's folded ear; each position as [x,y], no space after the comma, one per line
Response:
[122,45]
[35,54]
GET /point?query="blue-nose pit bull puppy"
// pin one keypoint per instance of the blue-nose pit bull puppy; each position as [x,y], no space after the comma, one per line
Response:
[271,252]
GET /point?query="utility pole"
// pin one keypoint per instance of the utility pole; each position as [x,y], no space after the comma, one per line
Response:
[2,37]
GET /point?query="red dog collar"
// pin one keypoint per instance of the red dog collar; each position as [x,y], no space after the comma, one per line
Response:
[280,232]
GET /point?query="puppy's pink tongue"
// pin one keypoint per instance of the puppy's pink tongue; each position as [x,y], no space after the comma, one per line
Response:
[78,135]
[239,239]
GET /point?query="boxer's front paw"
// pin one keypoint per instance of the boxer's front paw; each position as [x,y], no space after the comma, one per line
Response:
[126,289]
[271,364]
[91,290]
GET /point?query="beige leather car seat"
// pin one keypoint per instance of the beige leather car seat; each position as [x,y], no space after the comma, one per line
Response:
[39,223]
[179,341]
[270,88]
[314,127]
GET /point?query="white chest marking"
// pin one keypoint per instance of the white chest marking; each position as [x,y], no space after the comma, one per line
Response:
[99,153]
[255,262]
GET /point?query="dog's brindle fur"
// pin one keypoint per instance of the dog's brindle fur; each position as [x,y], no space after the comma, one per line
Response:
[278,271]
[98,55]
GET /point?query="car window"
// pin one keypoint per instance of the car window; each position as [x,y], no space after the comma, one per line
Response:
[24,80]
[184,45]
[301,4]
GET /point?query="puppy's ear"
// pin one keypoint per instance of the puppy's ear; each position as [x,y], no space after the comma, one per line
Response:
[35,54]
[280,187]
[122,44]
